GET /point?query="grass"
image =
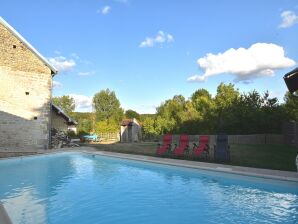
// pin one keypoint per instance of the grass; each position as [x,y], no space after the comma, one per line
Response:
[129,148]
[276,157]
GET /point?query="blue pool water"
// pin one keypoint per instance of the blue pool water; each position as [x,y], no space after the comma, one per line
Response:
[72,188]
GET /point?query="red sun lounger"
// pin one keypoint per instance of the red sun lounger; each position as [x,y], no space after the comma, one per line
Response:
[203,146]
[183,145]
[166,145]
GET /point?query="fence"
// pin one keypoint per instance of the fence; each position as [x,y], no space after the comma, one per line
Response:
[290,131]
[262,139]
[273,139]
[109,136]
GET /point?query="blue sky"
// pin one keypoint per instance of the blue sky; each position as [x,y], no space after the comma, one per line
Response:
[147,51]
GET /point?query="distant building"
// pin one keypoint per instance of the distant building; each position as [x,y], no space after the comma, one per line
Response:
[61,121]
[130,131]
[25,93]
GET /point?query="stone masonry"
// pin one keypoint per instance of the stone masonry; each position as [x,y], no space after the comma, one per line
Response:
[25,95]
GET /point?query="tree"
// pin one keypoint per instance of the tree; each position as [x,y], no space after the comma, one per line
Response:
[170,115]
[202,101]
[84,126]
[130,114]
[106,127]
[85,122]
[225,98]
[226,95]
[291,106]
[66,103]
[148,127]
[107,106]
[204,104]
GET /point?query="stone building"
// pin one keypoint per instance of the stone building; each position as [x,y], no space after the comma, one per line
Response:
[130,131]
[25,93]
[62,121]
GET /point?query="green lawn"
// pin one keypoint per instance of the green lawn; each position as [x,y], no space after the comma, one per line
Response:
[278,157]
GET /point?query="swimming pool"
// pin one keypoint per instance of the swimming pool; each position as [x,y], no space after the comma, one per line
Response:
[72,188]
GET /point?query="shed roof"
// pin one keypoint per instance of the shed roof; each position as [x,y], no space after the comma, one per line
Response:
[60,112]
[28,45]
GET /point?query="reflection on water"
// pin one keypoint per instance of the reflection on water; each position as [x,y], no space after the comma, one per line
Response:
[28,183]
[78,188]
[26,207]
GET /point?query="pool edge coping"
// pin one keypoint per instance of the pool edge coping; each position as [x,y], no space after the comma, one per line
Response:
[186,164]
[237,170]
[4,217]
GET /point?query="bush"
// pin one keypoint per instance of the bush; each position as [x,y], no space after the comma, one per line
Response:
[106,126]
[71,134]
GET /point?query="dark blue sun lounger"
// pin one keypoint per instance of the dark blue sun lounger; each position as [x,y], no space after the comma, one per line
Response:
[222,149]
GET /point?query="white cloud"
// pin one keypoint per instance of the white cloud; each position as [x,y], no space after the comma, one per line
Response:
[57,84]
[83,103]
[160,38]
[75,56]
[62,64]
[104,10]
[259,60]
[86,73]
[289,18]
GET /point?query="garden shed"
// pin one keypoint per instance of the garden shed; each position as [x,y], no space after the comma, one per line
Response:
[62,121]
[131,131]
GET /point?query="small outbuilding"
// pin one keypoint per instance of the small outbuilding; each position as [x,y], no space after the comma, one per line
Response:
[62,121]
[131,131]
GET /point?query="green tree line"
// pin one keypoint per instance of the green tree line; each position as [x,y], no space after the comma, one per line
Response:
[229,111]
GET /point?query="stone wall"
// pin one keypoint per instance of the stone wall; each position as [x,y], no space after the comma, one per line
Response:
[25,94]
[16,55]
